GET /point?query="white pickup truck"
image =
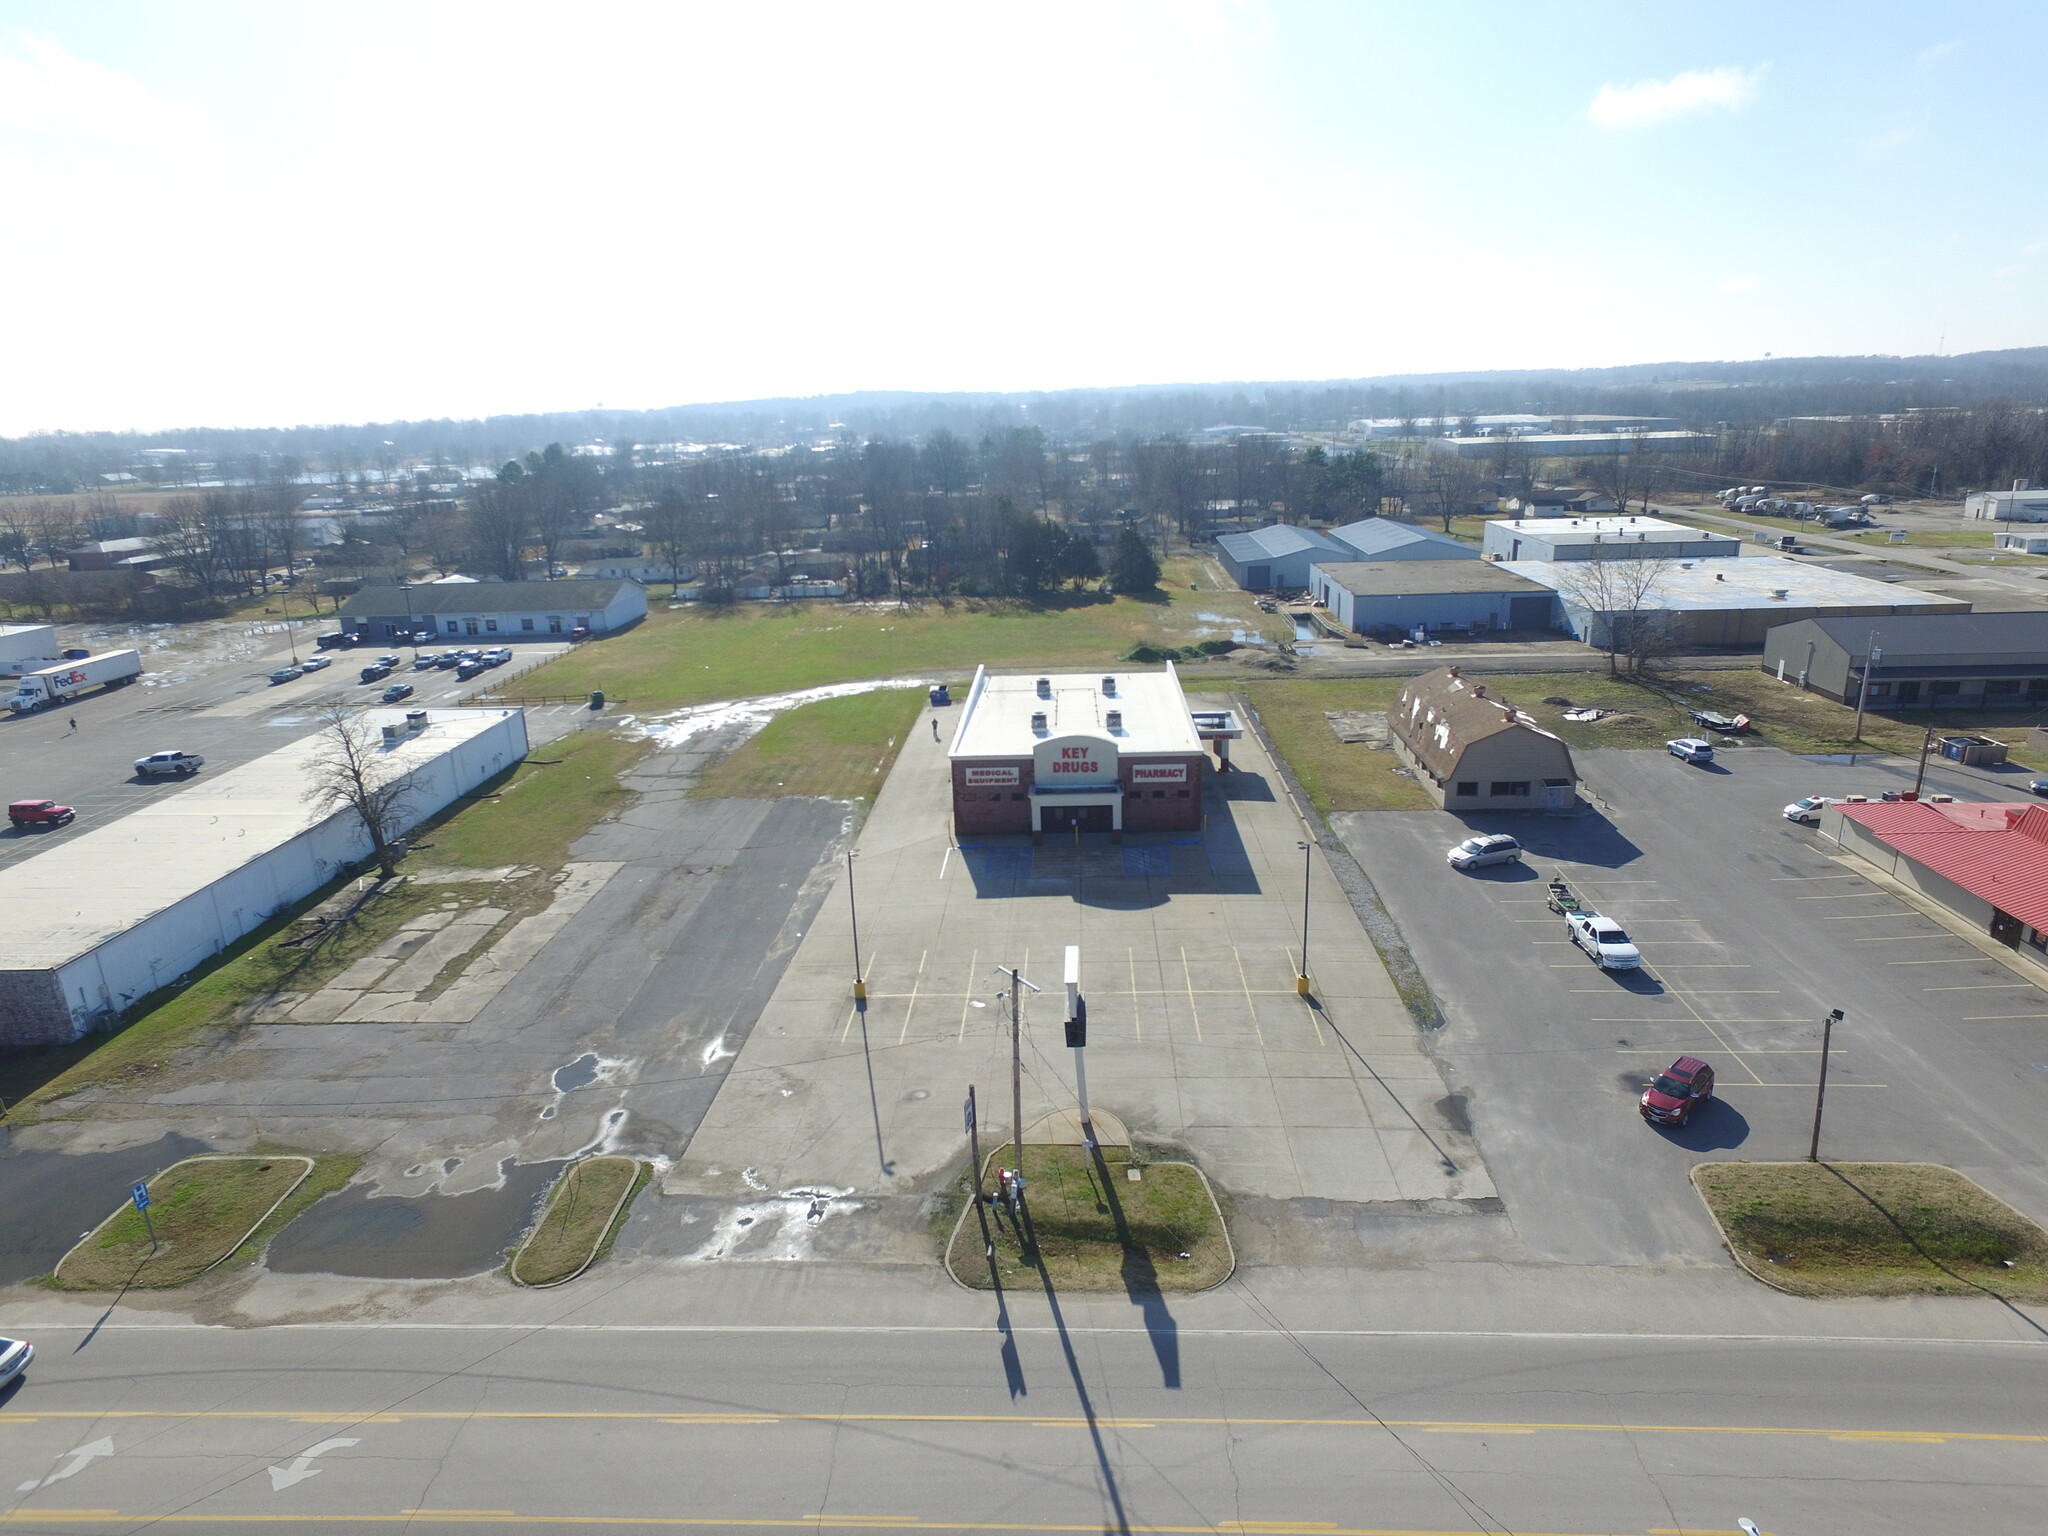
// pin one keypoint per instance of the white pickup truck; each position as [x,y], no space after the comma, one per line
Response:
[1602,939]
[158,764]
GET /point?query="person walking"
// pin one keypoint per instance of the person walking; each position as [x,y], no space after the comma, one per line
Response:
[935,727]
[74,722]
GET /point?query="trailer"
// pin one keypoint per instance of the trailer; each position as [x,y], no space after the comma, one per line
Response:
[53,685]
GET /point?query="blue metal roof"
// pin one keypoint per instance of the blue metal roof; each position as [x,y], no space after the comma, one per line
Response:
[1274,541]
[1375,536]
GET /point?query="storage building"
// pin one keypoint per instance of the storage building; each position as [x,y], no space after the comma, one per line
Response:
[1474,751]
[1276,558]
[1603,538]
[1108,753]
[493,610]
[109,917]
[1946,660]
[1378,597]
[2022,504]
[1577,445]
[1381,538]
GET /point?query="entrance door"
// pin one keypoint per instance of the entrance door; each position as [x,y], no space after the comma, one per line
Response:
[2005,928]
[1069,818]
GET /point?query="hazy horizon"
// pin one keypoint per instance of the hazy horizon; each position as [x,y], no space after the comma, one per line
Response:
[254,216]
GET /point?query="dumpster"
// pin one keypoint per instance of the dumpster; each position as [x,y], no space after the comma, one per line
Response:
[1975,751]
[940,695]
[597,698]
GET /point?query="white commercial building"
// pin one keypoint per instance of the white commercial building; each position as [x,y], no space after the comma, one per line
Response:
[2021,504]
[1602,538]
[28,648]
[100,921]
[1576,445]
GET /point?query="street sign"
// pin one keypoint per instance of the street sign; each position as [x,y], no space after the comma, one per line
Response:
[970,1111]
[141,1196]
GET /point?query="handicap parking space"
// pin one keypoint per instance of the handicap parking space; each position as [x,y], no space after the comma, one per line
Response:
[1751,929]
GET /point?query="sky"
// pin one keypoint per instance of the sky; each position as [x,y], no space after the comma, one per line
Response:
[265,214]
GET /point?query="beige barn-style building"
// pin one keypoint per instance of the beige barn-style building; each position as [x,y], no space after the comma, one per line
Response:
[1475,751]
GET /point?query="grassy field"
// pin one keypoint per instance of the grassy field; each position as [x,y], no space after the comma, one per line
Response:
[1097,1234]
[580,1215]
[695,655]
[1961,538]
[840,748]
[1336,776]
[203,1209]
[528,816]
[1874,1229]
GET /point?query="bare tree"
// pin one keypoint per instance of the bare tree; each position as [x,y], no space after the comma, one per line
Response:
[1616,595]
[1449,485]
[350,772]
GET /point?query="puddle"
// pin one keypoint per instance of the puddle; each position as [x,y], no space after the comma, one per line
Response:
[426,1237]
[1303,630]
[776,1230]
[580,1073]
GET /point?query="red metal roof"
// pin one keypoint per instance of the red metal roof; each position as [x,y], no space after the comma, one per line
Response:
[1996,851]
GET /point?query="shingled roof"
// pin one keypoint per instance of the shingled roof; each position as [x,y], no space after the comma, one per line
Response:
[1442,713]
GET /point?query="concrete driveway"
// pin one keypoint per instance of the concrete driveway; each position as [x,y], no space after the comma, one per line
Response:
[1751,930]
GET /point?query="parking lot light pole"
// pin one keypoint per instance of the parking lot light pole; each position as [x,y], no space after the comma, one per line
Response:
[1307,863]
[860,986]
[1820,1094]
[1872,655]
[1926,746]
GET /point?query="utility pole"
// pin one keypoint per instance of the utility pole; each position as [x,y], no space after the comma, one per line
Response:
[1077,1035]
[1921,777]
[1307,858]
[974,1141]
[1872,655]
[1016,1062]
[1820,1094]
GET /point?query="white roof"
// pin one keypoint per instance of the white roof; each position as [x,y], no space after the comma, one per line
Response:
[1583,530]
[81,892]
[996,721]
[1750,582]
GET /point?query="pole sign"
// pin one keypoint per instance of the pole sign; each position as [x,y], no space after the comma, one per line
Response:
[970,1111]
[140,1194]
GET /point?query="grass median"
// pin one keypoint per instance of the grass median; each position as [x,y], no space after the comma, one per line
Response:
[838,748]
[584,1209]
[1093,1228]
[204,1210]
[1874,1229]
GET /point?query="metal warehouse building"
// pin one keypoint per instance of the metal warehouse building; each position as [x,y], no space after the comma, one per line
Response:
[108,918]
[497,610]
[1407,595]
[1603,538]
[1724,602]
[1278,558]
[1109,753]
[1956,660]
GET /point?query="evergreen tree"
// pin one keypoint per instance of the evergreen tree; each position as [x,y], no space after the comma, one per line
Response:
[1132,568]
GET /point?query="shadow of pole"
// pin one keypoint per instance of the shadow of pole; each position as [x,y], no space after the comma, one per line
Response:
[1449,1164]
[1122,1522]
[1141,1282]
[125,1284]
[874,1103]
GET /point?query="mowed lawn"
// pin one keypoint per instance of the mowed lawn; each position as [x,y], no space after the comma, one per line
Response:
[838,748]
[695,655]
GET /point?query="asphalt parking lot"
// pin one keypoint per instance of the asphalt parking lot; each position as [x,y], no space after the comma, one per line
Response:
[1751,930]
[205,688]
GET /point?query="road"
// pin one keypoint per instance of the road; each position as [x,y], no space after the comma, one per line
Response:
[1058,1426]
[1751,930]
[205,688]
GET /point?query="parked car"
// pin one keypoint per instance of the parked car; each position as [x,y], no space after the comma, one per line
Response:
[1679,1090]
[316,663]
[2037,786]
[286,674]
[1494,848]
[424,663]
[396,692]
[157,764]
[387,660]
[1602,938]
[15,1355]
[39,813]
[448,659]
[375,673]
[469,669]
[497,656]
[580,632]
[1807,812]
[333,640]
[1691,749]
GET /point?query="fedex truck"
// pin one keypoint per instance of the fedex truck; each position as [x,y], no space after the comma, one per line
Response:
[53,685]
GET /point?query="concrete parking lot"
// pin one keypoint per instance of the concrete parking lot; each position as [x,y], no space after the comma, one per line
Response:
[205,688]
[1751,929]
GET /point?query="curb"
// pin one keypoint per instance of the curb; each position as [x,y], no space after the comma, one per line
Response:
[632,1184]
[204,1157]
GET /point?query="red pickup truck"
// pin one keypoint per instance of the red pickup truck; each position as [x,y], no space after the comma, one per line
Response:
[39,813]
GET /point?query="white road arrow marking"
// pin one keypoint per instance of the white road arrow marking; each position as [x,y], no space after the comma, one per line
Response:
[282,1478]
[79,1458]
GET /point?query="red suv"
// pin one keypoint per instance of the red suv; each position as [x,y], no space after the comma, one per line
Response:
[39,813]
[1679,1090]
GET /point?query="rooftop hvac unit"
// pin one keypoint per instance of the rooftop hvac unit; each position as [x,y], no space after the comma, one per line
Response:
[1109,686]
[1038,721]
[1116,719]
[1045,687]
[416,720]
[391,735]
[1781,593]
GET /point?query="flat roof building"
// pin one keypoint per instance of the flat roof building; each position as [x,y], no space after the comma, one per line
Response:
[1954,660]
[1379,596]
[2021,504]
[1576,445]
[109,917]
[1733,603]
[1475,751]
[1602,538]
[1100,752]
[497,610]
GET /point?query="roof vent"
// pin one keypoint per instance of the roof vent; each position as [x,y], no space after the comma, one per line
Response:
[1038,721]
[1045,687]
[1116,719]
[1780,593]
[1109,686]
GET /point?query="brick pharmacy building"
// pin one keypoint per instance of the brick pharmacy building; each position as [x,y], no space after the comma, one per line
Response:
[1108,753]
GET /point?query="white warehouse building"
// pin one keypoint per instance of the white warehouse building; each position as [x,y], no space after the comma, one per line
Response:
[103,920]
